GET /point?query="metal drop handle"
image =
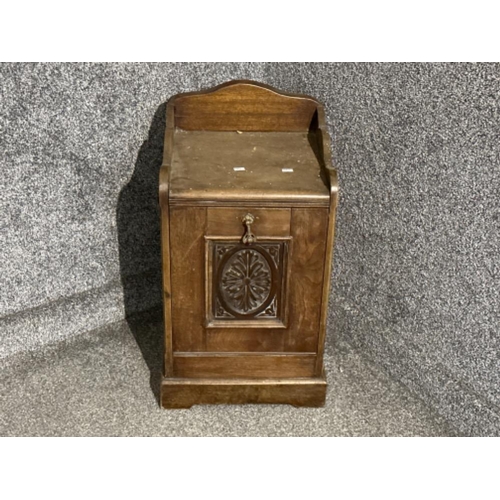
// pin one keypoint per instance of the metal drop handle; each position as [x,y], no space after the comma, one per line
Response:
[248,237]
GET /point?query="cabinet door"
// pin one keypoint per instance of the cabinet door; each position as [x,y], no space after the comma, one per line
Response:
[234,295]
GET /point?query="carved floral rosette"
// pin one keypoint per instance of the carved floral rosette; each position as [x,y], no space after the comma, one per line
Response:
[247,280]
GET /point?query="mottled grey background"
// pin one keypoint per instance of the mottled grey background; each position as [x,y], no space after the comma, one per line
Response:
[417,267]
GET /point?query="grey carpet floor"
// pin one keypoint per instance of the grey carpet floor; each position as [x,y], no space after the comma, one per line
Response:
[106,383]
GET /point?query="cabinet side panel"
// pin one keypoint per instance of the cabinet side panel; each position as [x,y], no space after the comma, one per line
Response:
[306,267]
[167,291]
[187,229]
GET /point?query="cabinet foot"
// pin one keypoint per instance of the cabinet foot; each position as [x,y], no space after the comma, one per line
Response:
[182,393]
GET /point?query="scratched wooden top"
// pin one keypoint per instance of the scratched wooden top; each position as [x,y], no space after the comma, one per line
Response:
[230,166]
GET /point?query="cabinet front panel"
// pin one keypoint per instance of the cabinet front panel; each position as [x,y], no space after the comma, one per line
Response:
[262,296]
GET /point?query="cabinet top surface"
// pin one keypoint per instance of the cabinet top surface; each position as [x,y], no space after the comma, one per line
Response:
[231,166]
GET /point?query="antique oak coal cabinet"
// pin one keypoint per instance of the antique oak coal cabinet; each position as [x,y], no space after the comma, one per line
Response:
[248,198]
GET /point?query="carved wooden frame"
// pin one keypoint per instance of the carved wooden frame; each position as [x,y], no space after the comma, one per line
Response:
[278,285]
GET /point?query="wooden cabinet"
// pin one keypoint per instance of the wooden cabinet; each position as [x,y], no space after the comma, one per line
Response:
[248,199]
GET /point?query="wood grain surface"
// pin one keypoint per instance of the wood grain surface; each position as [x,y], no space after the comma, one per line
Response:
[250,365]
[184,393]
[187,230]
[244,106]
[204,163]
[272,222]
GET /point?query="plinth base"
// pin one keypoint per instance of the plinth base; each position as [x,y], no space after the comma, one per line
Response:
[184,392]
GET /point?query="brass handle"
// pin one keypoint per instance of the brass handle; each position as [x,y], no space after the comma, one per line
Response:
[248,237]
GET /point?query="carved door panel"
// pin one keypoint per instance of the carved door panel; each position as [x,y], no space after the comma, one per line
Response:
[246,283]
